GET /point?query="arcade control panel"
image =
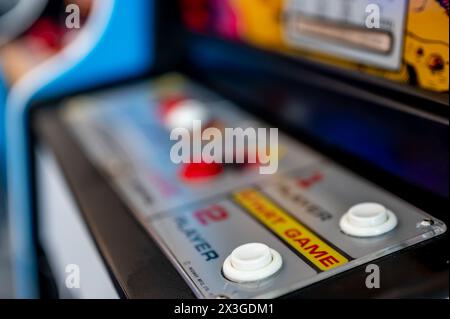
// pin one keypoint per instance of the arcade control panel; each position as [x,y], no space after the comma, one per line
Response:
[225,230]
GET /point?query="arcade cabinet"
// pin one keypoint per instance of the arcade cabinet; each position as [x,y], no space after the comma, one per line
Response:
[361,154]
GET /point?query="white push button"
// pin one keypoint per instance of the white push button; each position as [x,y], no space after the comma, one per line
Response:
[368,220]
[251,257]
[185,113]
[251,262]
[367,215]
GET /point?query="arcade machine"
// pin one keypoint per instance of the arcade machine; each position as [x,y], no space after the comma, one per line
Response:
[356,178]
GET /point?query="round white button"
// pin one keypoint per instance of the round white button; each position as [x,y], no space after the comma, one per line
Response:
[185,113]
[368,220]
[251,262]
[251,257]
[367,215]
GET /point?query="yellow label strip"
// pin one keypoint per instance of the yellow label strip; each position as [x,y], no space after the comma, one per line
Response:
[320,255]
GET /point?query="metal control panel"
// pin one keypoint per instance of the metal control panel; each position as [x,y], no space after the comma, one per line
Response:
[297,212]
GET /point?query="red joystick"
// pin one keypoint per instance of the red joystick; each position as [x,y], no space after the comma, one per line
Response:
[197,172]
[169,104]
[180,112]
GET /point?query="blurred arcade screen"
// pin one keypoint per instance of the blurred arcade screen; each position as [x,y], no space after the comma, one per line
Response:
[403,41]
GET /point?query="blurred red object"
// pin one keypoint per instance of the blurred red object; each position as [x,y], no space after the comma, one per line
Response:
[196,14]
[47,32]
[170,103]
[197,172]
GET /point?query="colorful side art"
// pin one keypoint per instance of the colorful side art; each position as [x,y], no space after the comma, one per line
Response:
[420,33]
